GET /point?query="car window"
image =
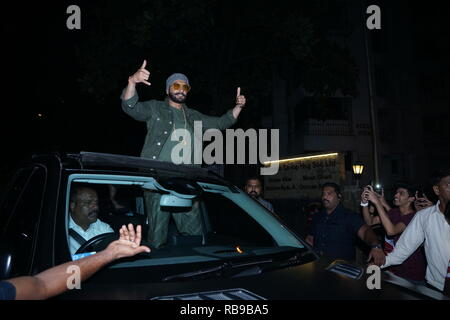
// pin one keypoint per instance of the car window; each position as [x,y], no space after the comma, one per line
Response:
[121,204]
[204,223]
[21,217]
[11,197]
[228,221]
[96,209]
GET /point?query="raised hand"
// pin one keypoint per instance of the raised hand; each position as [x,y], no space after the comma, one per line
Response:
[365,195]
[141,75]
[422,202]
[240,99]
[128,244]
[372,195]
[382,193]
[378,256]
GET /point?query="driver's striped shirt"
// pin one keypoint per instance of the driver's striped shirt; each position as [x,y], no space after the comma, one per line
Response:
[96,228]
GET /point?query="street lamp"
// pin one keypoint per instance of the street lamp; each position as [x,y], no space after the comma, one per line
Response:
[358,168]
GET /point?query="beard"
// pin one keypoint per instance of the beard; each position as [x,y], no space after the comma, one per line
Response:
[253,194]
[178,97]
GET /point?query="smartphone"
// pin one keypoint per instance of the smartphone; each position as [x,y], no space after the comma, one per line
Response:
[420,193]
[377,188]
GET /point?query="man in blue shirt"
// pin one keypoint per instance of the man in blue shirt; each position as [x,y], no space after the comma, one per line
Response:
[253,188]
[334,229]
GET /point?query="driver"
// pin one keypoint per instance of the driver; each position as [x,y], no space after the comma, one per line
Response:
[83,221]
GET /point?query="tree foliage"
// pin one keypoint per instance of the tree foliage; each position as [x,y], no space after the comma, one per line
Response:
[219,44]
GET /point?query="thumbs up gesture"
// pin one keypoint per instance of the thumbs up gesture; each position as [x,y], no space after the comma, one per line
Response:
[141,75]
[240,99]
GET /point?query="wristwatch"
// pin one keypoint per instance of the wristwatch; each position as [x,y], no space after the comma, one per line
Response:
[376,246]
[364,204]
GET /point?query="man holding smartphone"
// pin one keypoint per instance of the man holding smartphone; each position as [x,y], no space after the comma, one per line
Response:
[335,229]
[395,221]
[422,202]
[430,226]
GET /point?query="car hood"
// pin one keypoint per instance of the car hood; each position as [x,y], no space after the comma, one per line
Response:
[312,280]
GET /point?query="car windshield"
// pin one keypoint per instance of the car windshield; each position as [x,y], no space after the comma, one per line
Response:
[183,221]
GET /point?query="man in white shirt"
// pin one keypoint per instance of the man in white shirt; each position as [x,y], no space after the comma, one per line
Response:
[83,218]
[432,226]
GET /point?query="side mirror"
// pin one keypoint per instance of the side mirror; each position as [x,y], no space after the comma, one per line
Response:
[169,200]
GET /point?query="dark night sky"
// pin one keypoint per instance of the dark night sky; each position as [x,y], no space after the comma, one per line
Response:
[40,68]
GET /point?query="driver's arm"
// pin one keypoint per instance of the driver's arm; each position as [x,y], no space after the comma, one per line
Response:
[54,280]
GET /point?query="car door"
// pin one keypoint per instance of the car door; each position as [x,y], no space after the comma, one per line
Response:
[20,211]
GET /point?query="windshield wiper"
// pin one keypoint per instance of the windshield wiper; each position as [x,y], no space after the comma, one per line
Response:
[245,268]
[217,270]
[290,261]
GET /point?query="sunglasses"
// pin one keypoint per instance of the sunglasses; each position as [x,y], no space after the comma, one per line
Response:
[178,86]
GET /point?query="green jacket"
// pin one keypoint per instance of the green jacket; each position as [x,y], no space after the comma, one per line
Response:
[158,116]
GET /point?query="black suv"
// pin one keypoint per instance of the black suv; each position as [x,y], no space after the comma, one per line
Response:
[235,248]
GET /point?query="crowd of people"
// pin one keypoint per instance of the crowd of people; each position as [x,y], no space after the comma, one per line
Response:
[416,244]
[416,240]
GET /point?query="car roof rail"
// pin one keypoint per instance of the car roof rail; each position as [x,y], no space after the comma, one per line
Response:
[62,157]
[101,160]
